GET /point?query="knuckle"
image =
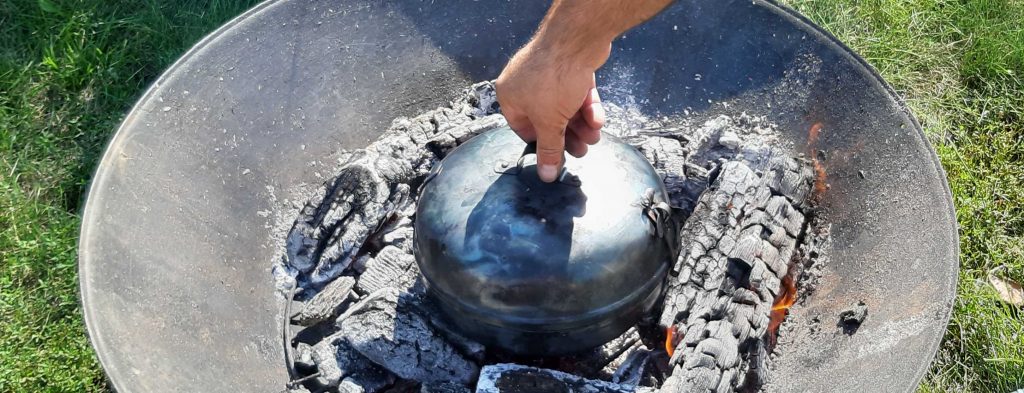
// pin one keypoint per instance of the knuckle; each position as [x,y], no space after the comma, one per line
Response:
[549,150]
[553,130]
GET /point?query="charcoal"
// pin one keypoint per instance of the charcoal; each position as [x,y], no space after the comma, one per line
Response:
[722,298]
[851,317]
[323,243]
[674,382]
[304,357]
[668,156]
[729,140]
[393,268]
[348,385]
[331,359]
[703,379]
[514,378]
[375,182]
[385,329]
[444,388]
[757,367]
[337,362]
[632,369]
[399,233]
[404,386]
[469,348]
[601,362]
[741,200]
[727,381]
[327,303]
[722,348]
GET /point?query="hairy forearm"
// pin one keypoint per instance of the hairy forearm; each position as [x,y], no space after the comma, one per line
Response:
[548,91]
[582,30]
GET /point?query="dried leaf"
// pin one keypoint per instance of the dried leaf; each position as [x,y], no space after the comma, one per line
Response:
[1010,291]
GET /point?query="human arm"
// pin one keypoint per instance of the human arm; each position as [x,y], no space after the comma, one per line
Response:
[547,91]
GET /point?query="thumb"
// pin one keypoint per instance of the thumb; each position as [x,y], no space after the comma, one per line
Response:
[550,150]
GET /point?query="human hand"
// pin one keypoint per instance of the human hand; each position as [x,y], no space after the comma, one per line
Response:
[550,97]
[547,91]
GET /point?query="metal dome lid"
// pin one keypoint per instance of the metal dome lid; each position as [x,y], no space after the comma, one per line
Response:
[501,250]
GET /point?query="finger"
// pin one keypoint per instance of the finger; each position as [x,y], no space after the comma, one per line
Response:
[521,125]
[592,110]
[550,149]
[527,133]
[574,146]
[584,132]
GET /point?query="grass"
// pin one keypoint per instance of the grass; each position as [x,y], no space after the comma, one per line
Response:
[70,70]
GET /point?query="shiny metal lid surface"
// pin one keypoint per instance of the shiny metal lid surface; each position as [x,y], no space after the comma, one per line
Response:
[541,268]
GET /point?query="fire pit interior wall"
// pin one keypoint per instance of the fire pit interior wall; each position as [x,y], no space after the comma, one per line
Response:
[365,324]
[202,183]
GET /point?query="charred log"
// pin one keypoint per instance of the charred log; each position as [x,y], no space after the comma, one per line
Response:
[385,329]
[513,378]
[326,304]
[350,249]
[376,182]
[742,235]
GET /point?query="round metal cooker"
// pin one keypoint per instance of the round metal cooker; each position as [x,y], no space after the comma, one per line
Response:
[538,268]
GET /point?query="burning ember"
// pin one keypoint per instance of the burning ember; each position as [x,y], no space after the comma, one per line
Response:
[364,324]
[781,307]
[672,338]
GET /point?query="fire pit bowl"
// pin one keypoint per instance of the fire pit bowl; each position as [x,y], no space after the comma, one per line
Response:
[186,209]
[537,268]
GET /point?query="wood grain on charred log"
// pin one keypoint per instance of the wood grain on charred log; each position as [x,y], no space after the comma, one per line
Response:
[386,330]
[742,200]
[514,378]
[741,235]
[326,304]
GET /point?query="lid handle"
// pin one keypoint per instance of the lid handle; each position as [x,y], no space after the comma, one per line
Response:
[529,157]
[663,225]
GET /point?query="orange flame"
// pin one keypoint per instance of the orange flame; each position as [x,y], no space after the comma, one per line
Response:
[671,340]
[785,300]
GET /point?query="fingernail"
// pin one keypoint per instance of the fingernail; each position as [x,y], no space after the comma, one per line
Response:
[547,172]
[599,115]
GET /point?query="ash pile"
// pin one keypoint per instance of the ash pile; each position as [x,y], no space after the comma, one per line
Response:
[357,318]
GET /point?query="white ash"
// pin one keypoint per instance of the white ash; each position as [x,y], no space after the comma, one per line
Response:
[304,357]
[743,199]
[385,329]
[375,184]
[391,267]
[338,362]
[326,304]
[741,239]
[514,378]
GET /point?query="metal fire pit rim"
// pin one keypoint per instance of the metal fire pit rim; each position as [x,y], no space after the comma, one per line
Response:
[115,375]
[933,155]
[110,371]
